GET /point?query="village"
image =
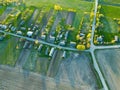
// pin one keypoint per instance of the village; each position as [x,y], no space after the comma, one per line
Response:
[58,44]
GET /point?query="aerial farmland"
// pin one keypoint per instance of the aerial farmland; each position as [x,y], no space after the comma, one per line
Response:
[59,45]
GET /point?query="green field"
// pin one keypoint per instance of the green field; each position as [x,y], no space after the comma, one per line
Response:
[111,1]
[2,8]
[76,4]
[111,11]
[8,52]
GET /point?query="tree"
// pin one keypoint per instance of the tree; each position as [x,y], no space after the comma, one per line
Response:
[36,41]
[57,7]
[80,47]
[78,37]
[99,7]
[95,42]
[71,10]
[89,35]
[119,29]
[101,15]
[118,22]
[17,47]
[113,41]
[88,45]
[91,14]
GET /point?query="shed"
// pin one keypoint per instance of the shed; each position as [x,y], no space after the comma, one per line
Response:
[73,44]
[51,51]
[40,47]
[43,37]
[29,33]
[64,54]
[62,43]
[52,39]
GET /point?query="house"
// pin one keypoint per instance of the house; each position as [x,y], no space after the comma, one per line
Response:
[19,32]
[82,34]
[23,28]
[51,51]
[100,39]
[73,44]
[29,29]
[62,43]
[3,26]
[66,35]
[61,35]
[52,39]
[13,28]
[47,51]
[29,33]
[116,38]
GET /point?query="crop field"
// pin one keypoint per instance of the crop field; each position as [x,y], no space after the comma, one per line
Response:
[110,66]
[8,52]
[69,71]
[76,4]
[111,1]
[68,76]
[36,63]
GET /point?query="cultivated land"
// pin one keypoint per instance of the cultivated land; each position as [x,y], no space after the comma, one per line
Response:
[67,77]
[77,68]
[110,65]
[56,39]
[35,57]
[8,53]
[111,1]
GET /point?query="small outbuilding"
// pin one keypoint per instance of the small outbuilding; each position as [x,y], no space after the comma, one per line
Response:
[29,33]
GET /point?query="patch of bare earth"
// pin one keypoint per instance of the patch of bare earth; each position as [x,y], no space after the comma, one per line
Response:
[109,61]
[76,70]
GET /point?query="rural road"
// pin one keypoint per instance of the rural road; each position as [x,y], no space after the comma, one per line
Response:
[91,50]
